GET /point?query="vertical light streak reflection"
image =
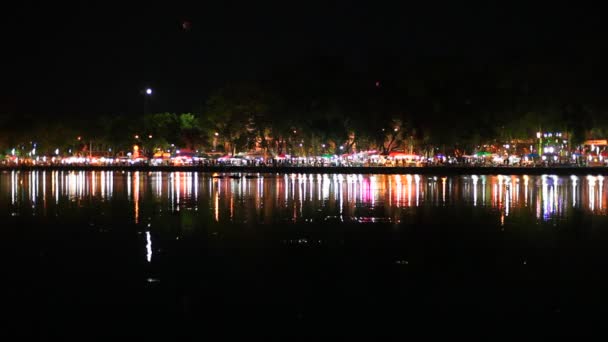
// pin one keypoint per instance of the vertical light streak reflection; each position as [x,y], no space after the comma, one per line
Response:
[177,189]
[600,185]
[103,185]
[136,196]
[196,187]
[398,190]
[409,190]
[93,183]
[286,188]
[507,201]
[110,184]
[526,190]
[33,178]
[129,185]
[13,186]
[591,196]
[417,179]
[341,196]
[216,204]
[148,247]
[57,187]
[231,207]
[443,180]
[53,174]
[373,189]
[475,179]
[545,197]
[301,189]
[170,191]
[81,184]
[44,189]
[483,190]
[159,185]
[574,181]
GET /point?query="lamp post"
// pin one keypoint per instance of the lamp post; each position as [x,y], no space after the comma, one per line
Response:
[540,142]
[147,93]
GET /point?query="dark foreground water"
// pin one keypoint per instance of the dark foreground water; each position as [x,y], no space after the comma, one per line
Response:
[172,255]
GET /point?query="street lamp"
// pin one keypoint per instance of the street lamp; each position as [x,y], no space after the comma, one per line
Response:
[147,93]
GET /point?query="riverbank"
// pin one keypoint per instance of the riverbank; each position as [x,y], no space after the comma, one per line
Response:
[433,170]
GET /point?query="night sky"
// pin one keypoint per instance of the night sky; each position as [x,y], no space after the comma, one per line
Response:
[66,60]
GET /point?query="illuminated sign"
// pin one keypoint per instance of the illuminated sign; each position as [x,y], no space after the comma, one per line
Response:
[601,142]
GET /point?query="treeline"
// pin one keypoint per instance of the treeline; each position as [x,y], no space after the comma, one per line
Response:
[331,108]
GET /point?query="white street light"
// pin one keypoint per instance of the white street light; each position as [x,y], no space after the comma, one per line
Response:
[149,91]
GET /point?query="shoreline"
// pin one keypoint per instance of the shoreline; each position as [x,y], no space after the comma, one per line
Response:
[433,170]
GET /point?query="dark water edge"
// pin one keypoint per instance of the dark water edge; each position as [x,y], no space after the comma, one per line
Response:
[64,279]
[429,170]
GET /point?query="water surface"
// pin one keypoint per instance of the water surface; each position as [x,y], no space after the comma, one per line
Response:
[299,253]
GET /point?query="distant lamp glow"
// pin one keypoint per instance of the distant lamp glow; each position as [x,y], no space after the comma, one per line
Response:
[57,151]
[216,134]
[149,91]
[150,136]
[538,135]
[341,147]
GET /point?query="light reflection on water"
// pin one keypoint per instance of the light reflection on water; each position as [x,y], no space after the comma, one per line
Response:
[298,197]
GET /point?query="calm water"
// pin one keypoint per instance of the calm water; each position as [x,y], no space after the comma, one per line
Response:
[299,254]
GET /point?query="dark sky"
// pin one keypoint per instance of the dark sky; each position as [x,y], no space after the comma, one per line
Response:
[66,60]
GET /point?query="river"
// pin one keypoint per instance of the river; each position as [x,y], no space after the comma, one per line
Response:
[171,253]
